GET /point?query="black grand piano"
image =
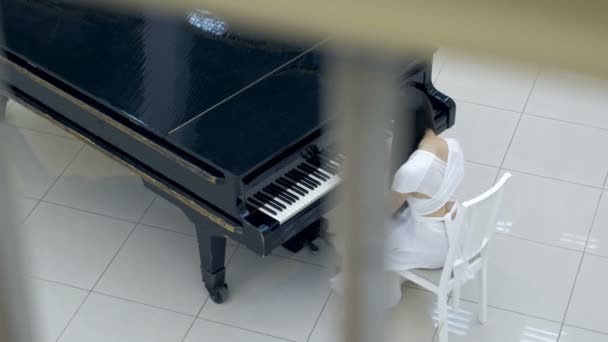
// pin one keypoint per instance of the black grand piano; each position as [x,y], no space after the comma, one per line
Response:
[225,125]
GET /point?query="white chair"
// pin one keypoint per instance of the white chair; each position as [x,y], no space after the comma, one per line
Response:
[479,224]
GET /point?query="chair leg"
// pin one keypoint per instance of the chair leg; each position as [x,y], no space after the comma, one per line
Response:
[442,306]
[483,293]
[456,298]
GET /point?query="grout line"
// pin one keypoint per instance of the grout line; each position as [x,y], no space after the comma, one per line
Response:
[596,255]
[56,282]
[245,329]
[486,105]
[579,267]
[319,317]
[57,135]
[551,178]
[538,242]
[441,67]
[121,246]
[63,171]
[521,115]
[104,271]
[90,212]
[566,121]
[587,329]
[27,197]
[605,180]
[511,311]
[140,303]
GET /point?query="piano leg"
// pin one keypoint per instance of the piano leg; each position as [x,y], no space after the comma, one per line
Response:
[3,102]
[212,250]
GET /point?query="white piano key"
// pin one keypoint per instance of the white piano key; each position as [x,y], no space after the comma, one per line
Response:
[305,200]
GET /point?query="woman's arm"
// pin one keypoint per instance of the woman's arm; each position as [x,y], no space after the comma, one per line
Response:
[395,201]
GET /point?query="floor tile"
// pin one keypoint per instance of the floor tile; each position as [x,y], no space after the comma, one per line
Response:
[572,334]
[329,323]
[413,317]
[23,207]
[38,158]
[104,319]
[159,268]
[528,277]
[559,150]
[483,132]
[71,246]
[477,179]
[411,320]
[210,331]
[570,97]
[20,116]
[487,81]
[96,183]
[598,239]
[164,214]
[589,299]
[501,326]
[51,307]
[291,294]
[439,60]
[548,211]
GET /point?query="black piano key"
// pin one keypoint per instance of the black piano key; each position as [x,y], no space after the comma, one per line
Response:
[319,170]
[306,178]
[268,201]
[296,178]
[315,171]
[275,198]
[324,166]
[259,205]
[285,191]
[271,200]
[328,163]
[282,190]
[292,186]
[278,194]
[312,172]
[337,158]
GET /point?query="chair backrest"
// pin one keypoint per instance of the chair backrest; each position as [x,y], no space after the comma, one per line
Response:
[472,228]
[481,217]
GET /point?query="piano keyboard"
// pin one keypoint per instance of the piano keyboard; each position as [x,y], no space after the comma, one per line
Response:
[295,189]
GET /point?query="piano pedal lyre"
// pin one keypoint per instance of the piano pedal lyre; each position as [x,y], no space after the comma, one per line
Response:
[306,237]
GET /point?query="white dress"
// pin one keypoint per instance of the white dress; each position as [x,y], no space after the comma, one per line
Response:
[415,240]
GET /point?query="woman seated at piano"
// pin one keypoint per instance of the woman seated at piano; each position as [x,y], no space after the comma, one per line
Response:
[421,195]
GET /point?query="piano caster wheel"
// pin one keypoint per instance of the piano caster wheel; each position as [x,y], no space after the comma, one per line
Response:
[219,294]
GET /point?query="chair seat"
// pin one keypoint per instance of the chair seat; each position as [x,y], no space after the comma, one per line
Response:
[433,276]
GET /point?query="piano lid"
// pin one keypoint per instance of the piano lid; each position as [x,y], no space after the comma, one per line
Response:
[157,71]
[258,123]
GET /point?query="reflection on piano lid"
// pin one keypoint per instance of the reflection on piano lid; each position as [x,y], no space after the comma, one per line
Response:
[208,22]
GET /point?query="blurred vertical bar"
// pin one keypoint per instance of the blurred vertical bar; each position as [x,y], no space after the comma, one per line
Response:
[14,323]
[13,309]
[362,91]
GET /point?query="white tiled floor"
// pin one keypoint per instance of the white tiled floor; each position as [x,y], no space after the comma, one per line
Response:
[109,261]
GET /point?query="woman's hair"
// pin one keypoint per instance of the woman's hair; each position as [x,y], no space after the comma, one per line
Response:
[417,113]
